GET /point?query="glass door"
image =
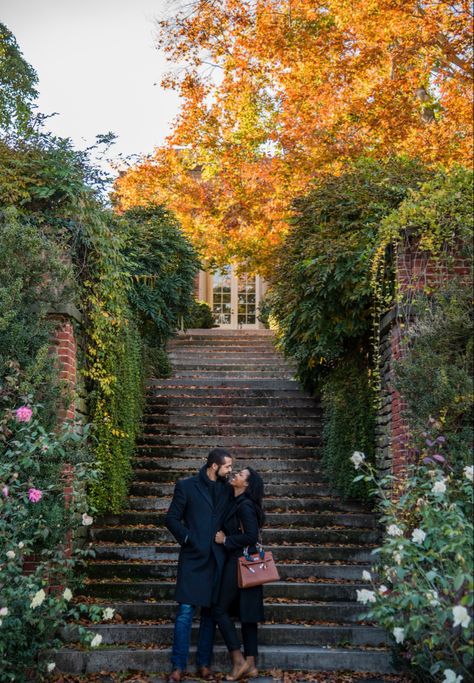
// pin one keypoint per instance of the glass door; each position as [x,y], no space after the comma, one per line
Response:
[234,299]
[246,301]
[221,296]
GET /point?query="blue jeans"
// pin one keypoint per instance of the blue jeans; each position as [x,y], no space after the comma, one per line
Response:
[182,636]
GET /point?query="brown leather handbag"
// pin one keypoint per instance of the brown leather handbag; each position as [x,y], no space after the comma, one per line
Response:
[256,569]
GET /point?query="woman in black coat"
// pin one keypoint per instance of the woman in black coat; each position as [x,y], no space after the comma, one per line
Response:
[241,529]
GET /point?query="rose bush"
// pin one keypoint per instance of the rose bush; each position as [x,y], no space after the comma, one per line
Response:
[423,580]
[40,538]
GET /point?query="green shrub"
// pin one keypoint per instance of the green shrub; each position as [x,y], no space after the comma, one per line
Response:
[321,289]
[157,362]
[423,581]
[163,265]
[349,411]
[435,374]
[32,277]
[199,316]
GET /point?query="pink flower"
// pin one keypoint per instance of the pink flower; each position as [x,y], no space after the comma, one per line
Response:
[5,491]
[23,414]
[35,495]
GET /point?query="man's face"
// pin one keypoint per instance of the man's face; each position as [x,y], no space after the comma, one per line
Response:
[225,469]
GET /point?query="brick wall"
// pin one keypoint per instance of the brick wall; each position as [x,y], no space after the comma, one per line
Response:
[416,270]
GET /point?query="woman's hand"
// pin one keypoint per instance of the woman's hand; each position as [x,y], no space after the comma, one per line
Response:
[220,537]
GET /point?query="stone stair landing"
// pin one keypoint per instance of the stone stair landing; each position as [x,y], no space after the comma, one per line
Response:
[232,389]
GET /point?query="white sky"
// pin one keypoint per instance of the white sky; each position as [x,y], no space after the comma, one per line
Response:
[97,67]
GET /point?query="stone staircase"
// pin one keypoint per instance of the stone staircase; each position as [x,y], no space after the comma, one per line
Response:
[232,389]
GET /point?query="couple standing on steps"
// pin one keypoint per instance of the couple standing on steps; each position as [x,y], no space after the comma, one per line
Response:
[214,515]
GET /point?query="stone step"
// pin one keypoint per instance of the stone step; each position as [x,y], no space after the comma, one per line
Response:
[164,590]
[220,342]
[180,399]
[357,556]
[269,634]
[270,477]
[317,490]
[231,440]
[223,356]
[271,504]
[203,375]
[273,519]
[344,536]
[279,429]
[294,611]
[69,660]
[261,464]
[228,362]
[247,453]
[231,386]
[275,421]
[242,413]
[101,569]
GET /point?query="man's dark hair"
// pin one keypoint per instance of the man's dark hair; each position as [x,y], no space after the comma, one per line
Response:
[217,456]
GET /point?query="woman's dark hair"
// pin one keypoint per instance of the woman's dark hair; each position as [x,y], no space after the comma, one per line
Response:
[255,491]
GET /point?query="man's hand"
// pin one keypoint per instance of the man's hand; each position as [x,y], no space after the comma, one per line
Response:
[220,537]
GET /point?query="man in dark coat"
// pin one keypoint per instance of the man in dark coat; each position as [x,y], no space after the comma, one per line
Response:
[195,515]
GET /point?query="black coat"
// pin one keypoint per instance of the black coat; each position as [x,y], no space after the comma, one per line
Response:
[193,518]
[241,530]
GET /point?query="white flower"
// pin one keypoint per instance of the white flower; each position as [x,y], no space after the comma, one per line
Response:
[399,634]
[366,575]
[87,519]
[461,617]
[67,594]
[383,590]
[450,677]
[3,611]
[357,459]
[38,599]
[394,530]
[96,640]
[469,472]
[108,613]
[51,666]
[21,545]
[439,486]
[418,536]
[365,596]
[397,557]
[433,598]
[10,555]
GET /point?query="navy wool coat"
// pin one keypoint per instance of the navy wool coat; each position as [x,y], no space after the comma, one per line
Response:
[194,517]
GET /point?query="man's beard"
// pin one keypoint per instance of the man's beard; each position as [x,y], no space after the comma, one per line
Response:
[222,477]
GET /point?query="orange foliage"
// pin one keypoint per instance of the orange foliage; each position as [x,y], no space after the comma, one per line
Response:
[275,92]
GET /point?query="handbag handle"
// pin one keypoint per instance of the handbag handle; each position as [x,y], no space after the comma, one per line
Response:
[260,550]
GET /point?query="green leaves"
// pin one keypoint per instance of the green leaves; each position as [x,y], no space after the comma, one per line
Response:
[321,290]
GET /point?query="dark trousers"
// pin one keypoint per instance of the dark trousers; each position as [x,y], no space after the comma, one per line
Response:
[220,612]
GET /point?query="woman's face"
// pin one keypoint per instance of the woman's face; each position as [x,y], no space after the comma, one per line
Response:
[240,479]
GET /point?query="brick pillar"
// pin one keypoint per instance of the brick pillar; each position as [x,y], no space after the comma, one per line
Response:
[65,347]
[416,271]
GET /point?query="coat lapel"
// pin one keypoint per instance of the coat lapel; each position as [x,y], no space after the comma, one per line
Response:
[204,491]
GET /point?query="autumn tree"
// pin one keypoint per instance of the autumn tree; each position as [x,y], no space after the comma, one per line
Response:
[276,92]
